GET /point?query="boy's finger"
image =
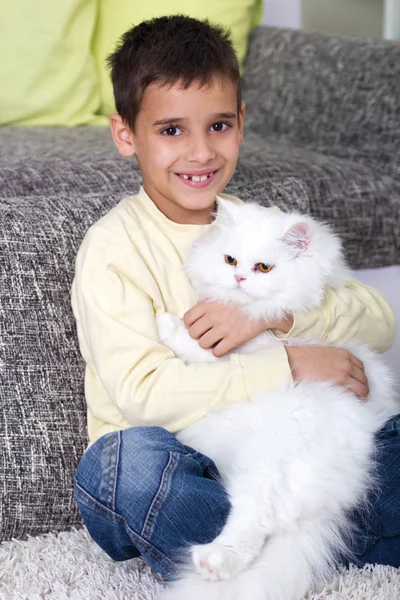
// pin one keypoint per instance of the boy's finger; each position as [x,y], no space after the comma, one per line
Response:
[359,389]
[222,348]
[355,361]
[359,375]
[210,339]
[199,327]
[194,313]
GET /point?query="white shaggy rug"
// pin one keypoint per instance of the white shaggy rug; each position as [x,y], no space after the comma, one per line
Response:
[69,566]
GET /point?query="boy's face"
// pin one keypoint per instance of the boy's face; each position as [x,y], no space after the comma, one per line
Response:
[187,145]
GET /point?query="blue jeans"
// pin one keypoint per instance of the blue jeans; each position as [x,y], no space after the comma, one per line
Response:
[141,492]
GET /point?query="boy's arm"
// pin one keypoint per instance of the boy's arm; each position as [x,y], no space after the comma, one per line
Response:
[142,378]
[223,328]
[355,311]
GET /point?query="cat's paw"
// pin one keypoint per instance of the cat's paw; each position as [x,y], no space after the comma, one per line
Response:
[167,326]
[216,562]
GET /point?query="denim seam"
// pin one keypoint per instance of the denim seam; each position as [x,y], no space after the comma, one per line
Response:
[116,467]
[153,551]
[159,497]
[110,448]
[94,504]
[87,499]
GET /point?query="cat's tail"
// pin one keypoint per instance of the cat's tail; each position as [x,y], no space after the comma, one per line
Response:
[289,565]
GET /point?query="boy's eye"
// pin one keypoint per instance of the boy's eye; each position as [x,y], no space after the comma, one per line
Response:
[172,131]
[264,268]
[230,260]
[220,126]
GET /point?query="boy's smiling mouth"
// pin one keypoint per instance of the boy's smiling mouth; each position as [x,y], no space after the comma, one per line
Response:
[197,179]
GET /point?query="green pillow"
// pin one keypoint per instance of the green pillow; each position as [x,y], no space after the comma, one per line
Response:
[47,72]
[117,16]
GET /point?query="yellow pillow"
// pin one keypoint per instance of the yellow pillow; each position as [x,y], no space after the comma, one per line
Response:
[117,16]
[47,73]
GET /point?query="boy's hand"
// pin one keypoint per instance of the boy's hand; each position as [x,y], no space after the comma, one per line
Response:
[224,328]
[323,363]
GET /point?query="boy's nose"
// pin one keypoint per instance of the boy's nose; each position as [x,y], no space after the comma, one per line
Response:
[201,151]
[240,278]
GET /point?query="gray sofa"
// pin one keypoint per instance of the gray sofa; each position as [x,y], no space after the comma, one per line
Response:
[322,135]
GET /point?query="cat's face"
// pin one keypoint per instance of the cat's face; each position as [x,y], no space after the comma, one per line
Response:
[257,255]
[248,260]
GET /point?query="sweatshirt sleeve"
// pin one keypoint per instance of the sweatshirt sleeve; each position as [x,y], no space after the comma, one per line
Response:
[142,378]
[354,311]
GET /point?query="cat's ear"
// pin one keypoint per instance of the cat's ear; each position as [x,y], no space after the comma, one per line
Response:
[227,212]
[298,237]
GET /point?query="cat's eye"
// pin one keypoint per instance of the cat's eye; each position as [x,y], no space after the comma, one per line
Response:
[264,268]
[230,260]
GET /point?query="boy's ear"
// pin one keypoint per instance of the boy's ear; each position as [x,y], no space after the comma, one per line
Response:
[241,121]
[122,135]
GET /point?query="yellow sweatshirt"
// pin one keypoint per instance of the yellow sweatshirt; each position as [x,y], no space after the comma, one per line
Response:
[129,268]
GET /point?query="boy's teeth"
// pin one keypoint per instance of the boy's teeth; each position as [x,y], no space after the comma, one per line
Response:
[197,178]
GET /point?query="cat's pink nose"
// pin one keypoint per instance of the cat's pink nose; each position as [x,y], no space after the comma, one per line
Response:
[239,278]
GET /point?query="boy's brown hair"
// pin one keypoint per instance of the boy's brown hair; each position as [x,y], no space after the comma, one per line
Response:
[168,50]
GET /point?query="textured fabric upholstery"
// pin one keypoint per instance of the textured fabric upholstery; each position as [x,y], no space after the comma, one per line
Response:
[322,136]
[324,111]
[42,412]
[338,96]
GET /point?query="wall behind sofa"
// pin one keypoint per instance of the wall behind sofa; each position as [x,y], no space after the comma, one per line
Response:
[372,18]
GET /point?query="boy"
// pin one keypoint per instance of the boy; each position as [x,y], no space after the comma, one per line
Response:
[177,90]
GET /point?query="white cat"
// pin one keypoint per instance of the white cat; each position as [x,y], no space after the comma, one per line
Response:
[293,461]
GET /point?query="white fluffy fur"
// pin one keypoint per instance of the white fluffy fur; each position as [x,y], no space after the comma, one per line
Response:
[293,461]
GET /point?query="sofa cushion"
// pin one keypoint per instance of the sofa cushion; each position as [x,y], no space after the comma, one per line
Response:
[47,74]
[42,406]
